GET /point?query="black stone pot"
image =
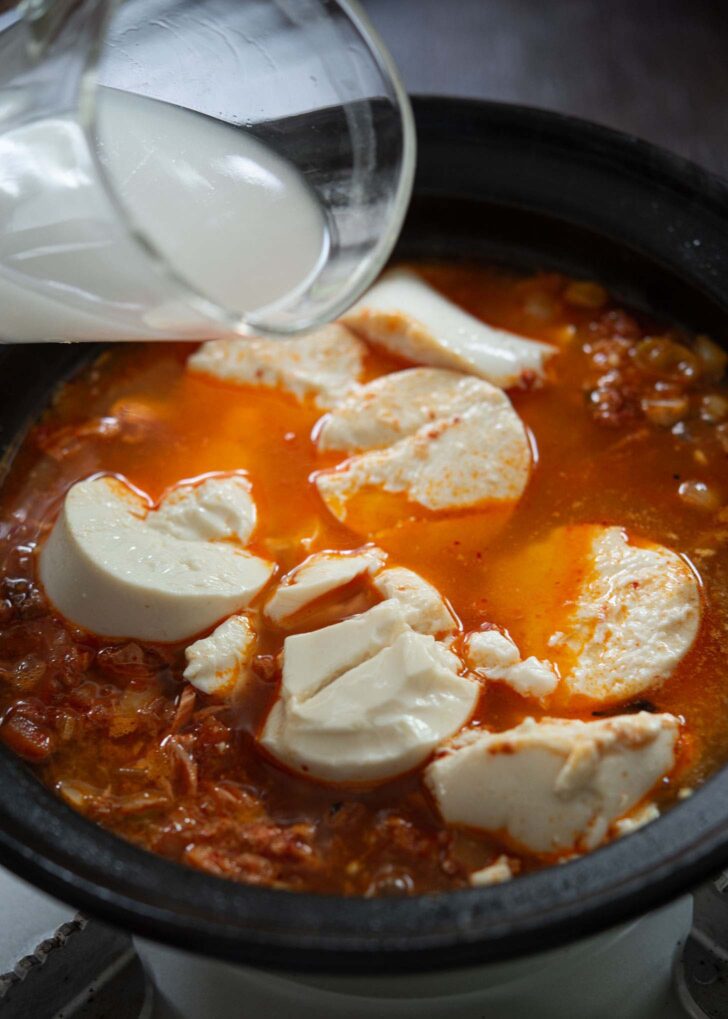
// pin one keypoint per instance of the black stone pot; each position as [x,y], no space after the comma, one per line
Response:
[522,187]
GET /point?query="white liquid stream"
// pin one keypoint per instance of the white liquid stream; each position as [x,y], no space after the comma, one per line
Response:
[232,219]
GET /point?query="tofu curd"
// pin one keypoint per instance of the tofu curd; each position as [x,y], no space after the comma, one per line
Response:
[636,616]
[494,874]
[481,457]
[555,785]
[495,656]
[312,660]
[616,614]
[407,317]
[387,409]
[375,718]
[317,576]
[323,365]
[423,607]
[113,566]
[220,664]
[215,509]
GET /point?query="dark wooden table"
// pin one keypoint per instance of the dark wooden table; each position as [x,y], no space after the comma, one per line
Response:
[655,68]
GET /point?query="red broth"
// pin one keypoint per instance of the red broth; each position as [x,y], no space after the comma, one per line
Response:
[621,426]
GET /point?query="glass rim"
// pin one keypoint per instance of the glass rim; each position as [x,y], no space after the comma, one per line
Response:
[195,297]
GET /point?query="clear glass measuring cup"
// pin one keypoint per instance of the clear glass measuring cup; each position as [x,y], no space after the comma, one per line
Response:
[191,168]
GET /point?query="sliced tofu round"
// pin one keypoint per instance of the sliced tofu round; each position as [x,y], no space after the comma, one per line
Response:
[494,655]
[557,785]
[217,508]
[635,617]
[424,608]
[481,456]
[110,570]
[317,576]
[383,411]
[324,364]
[408,317]
[220,664]
[377,720]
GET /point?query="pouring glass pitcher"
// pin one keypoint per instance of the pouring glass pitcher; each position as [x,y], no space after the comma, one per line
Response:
[192,168]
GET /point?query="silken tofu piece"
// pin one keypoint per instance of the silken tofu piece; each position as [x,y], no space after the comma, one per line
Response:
[215,509]
[408,317]
[376,720]
[424,608]
[555,786]
[324,364]
[495,656]
[614,614]
[480,457]
[220,664]
[378,414]
[496,873]
[312,660]
[111,570]
[317,576]
[636,616]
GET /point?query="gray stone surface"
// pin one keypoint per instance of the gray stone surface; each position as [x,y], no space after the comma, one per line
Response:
[655,68]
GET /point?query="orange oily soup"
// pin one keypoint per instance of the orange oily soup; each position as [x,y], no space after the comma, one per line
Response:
[629,430]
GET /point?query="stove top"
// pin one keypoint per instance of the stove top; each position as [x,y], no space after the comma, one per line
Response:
[58,964]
